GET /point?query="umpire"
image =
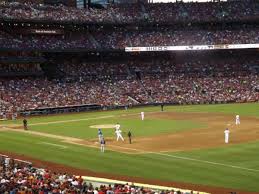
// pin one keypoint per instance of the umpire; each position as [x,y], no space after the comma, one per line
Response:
[162,107]
[25,125]
[129,136]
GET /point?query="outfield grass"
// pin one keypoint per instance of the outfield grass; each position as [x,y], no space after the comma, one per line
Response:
[166,166]
[139,128]
[246,109]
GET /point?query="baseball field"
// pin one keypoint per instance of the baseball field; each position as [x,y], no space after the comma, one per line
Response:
[183,146]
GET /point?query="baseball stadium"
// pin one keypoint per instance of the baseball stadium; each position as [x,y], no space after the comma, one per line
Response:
[129,97]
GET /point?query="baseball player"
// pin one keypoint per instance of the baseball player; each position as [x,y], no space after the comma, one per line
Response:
[119,136]
[129,136]
[162,107]
[100,134]
[102,143]
[226,135]
[25,124]
[237,120]
[142,116]
[117,126]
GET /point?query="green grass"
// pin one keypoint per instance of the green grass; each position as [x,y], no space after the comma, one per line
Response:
[138,128]
[163,167]
[150,166]
[247,109]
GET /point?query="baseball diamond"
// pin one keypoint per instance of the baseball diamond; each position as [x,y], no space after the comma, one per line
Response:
[170,145]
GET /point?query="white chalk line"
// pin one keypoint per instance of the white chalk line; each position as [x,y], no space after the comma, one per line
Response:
[178,157]
[53,144]
[115,146]
[188,158]
[205,161]
[141,151]
[86,119]
[72,120]
[156,153]
[191,159]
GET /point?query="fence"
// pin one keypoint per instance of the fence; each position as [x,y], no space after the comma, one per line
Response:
[105,181]
[6,161]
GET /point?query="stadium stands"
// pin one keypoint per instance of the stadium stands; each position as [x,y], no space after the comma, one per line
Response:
[21,177]
[126,82]
[120,39]
[132,13]
[164,82]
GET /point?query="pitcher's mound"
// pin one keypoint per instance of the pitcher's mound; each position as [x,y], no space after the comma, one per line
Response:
[104,126]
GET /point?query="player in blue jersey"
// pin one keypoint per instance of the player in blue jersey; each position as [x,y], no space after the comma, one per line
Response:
[100,134]
[102,143]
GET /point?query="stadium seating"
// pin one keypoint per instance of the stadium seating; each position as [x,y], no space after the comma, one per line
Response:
[135,13]
[20,177]
[120,39]
[164,82]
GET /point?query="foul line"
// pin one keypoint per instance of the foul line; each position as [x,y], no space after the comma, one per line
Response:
[72,120]
[53,144]
[187,158]
[191,159]
[140,151]
[86,119]
[204,161]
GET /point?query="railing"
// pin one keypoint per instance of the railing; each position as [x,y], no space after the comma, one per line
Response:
[6,162]
[152,187]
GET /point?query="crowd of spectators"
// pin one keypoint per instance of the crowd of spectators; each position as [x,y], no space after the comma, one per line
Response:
[120,39]
[90,70]
[30,11]
[193,37]
[45,42]
[7,69]
[26,179]
[182,89]
[25,94]
[136,82]
[201,12]
[130,13]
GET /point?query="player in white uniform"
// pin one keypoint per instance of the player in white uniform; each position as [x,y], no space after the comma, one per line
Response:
[142,115]
[119,136]
[117,126]
[237,120]
[226,135]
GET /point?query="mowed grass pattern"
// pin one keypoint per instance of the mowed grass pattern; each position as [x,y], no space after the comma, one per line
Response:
[155,165]
[82,129]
